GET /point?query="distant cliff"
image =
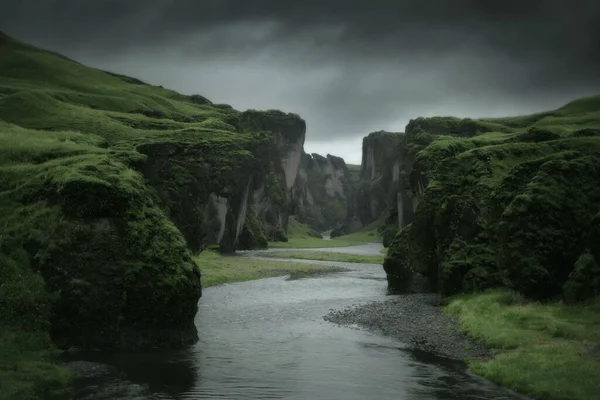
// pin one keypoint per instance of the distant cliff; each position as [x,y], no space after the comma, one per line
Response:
[322,191]
[376,184]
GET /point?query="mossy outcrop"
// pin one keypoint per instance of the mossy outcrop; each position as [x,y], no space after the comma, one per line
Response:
[109,185]
[506,202]
[322,191]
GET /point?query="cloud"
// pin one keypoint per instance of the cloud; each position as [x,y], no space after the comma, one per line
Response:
[346,67]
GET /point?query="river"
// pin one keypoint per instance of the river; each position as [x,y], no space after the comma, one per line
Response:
[266,339]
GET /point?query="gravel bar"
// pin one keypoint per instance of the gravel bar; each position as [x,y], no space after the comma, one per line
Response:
[416,320]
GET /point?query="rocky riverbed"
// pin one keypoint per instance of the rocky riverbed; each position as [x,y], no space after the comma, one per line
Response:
[415,319]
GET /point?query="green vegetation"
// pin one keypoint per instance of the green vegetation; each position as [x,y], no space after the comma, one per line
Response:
[218,269]
[302,237]
[547,351]
[327,256]
[502,202]
[107,185]
[27,369]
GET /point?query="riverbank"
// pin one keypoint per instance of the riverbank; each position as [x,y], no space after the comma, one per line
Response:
[415,319]
[548,352]
[29,369]
[219,269]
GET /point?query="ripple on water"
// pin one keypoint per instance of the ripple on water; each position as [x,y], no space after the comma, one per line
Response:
[267,339]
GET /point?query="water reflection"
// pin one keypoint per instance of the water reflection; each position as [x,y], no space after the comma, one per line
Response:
[267,339]
[136,375]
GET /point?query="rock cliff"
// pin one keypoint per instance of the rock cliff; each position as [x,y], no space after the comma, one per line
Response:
[322,191]
[501,202]
[109,186]
[377,186]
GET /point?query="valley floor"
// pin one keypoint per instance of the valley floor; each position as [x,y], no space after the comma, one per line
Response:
[546,351]
[218,269]
[549,352]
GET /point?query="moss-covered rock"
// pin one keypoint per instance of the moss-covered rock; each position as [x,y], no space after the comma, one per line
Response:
[108,186]
[496,206]
[584,280]
[119,273]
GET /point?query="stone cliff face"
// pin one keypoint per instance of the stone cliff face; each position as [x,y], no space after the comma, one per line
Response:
[271,196]
[321,191]
[210,191]
[499,202]
[109,186]
[379,182]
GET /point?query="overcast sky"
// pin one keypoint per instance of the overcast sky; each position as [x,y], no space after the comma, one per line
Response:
[347,67]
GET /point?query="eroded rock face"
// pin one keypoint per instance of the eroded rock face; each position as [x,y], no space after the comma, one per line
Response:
[271,196]
[101,225]
[120,271]
[517,212]
[380,175]
[322,191]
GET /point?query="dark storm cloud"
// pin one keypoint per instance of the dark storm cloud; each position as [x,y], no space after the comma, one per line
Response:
[347,67]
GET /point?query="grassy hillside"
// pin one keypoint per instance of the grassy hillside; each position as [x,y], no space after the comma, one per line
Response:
[504,201]
[514,203]
[108,186]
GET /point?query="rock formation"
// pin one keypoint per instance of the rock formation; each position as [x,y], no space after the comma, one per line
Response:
[501,202]
[109,186]
[322,191]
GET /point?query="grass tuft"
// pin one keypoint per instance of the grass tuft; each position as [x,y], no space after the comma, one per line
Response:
[548,351]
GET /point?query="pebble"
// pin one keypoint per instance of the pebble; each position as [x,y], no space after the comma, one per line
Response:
[416,320]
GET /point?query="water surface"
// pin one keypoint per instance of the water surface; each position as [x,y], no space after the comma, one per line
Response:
[266,339]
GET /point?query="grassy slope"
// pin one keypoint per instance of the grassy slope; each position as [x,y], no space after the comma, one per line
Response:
[302,237]
[548,351]
[67,130]
[218,269]
[504,180]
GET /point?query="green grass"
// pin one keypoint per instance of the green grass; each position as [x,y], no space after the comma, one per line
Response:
[327,256]
[297,229]
[548,351]
[341,241]
[27,368]
[218,269]
[302,237]
[384,250]
[71,143]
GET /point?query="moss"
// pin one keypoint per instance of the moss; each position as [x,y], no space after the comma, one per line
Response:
[584,281]
[104,189]
[253,235]
[535,135]
[556,204]
[510,208]
[288,127]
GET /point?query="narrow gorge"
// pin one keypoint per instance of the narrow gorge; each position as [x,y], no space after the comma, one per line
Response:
[111,190]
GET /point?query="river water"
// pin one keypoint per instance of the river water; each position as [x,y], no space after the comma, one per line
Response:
[266,339]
